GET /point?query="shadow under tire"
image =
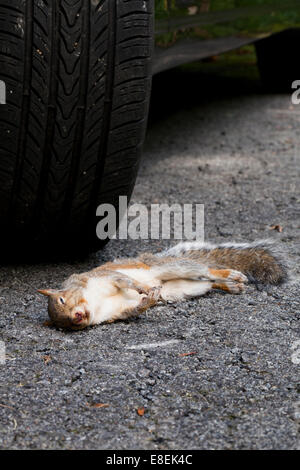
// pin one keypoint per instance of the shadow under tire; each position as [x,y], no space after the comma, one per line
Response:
[277,60]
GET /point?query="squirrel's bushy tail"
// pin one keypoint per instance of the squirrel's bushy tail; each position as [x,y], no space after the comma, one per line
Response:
[261,261]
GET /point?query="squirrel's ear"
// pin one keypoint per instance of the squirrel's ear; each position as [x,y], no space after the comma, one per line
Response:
[47,292]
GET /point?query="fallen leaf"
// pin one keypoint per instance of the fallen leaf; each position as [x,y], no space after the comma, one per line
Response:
[47,359]
[141,411]
[277,227]
[188,354]
[98,405]
[6,406]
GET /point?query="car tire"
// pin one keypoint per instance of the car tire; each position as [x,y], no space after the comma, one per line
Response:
[277,60]
[78,83]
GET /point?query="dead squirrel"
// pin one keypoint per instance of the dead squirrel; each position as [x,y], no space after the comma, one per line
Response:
[124,288]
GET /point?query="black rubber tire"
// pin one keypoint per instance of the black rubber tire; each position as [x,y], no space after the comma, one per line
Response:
[78,78]
[277,60]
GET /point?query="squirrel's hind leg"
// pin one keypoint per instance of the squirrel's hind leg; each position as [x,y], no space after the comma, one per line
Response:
[227,275]
[229,286]
[181,289]
[182,269]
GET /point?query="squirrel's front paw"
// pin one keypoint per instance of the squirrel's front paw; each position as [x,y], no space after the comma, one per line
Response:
[151,298]
[142,289]
[155,293]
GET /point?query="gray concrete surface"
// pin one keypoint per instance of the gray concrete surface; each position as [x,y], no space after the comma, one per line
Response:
[235,149]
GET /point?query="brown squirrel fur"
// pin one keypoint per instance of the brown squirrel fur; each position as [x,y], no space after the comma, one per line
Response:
[128,287]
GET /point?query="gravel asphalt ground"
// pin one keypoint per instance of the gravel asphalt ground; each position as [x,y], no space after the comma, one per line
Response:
[214,140]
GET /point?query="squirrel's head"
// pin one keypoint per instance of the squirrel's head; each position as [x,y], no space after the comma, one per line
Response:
[67,308]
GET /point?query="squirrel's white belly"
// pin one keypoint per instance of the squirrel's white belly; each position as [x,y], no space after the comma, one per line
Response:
[144,276]
[110,307]
[104,300]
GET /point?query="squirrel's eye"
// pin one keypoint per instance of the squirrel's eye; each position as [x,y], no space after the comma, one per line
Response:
[61,300]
